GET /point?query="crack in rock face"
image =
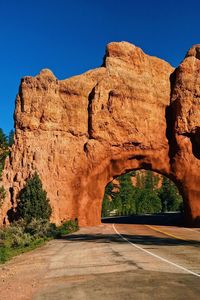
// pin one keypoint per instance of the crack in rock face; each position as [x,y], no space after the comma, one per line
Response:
[134,112]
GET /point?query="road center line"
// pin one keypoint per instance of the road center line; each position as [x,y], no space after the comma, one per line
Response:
[165,233]
[155,255]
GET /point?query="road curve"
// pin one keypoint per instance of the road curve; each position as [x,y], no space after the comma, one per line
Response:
[120,261]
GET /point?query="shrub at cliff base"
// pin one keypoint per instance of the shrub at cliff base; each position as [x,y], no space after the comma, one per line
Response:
[32,227]
[33,202]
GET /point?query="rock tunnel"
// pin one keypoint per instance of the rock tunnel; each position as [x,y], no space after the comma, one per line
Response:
[134,112]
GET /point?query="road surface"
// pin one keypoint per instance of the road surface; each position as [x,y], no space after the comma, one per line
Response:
[111,261]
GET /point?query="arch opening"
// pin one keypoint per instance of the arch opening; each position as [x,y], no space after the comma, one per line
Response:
[142,196]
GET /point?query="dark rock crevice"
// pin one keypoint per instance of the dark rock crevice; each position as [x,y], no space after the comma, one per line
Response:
[195,141]
[170,116]
[90,113]
[21,96]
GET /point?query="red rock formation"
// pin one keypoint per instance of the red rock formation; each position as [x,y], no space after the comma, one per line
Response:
[81,132]
[185,131]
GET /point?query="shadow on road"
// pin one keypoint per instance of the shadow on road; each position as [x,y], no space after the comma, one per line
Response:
[136,239]
[170,219]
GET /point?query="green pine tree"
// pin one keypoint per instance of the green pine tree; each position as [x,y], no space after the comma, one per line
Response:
[146,197]
[163,193]
[3,139]
[169,195]
[4,151]
[11,138]
[150,181]
[107,204]
[127,194]
[117,204]
[148,202]
[33,202]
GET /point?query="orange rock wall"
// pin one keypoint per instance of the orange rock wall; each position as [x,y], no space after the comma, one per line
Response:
[135,112]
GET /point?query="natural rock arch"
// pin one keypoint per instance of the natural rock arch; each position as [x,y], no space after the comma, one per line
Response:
[134,112]
[142,180]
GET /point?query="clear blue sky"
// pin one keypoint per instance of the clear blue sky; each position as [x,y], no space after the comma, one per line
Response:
[69,36]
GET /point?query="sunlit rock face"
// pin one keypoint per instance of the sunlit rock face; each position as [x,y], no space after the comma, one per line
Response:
[134,112]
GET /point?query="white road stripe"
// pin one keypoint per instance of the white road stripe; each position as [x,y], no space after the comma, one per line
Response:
[154,255]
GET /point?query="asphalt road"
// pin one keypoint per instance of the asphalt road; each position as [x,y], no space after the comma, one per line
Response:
[126,260]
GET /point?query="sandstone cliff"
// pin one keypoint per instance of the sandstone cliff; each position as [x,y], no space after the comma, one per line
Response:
[134,112]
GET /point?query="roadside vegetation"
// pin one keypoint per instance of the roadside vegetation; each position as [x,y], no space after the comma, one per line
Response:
[140,192]
[30,224]
[21,236]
